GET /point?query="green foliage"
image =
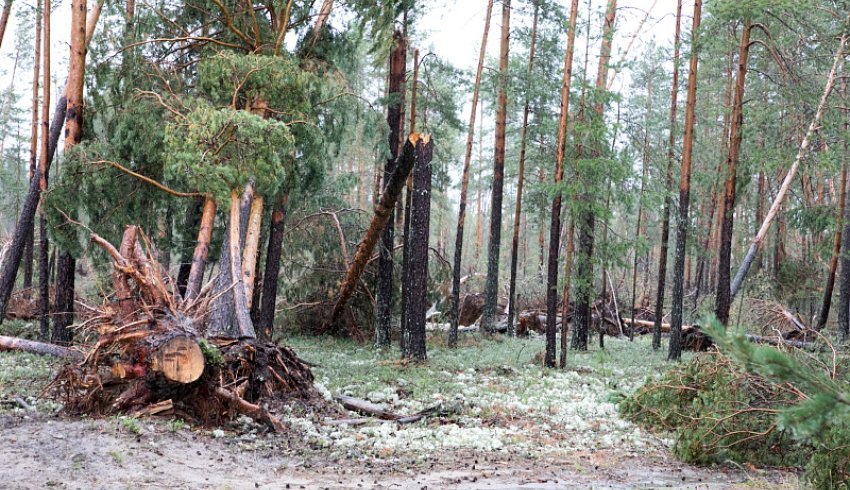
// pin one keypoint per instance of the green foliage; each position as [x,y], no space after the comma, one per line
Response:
[212,356]
[821,418]
[716,413]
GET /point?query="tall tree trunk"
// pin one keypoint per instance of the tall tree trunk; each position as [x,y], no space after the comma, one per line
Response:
[555,220]
[789,177]
[250,254]
[66,265]
[383,314]
[405,273]
[491,288]
[844,287]
[4,20]
[30,238]
[823,316]
[464,187]
[668,200]
[586,216]
[418,242]
[724,260]
[39,182]
[639,226]
[520,181]
[675,348]
[265,322]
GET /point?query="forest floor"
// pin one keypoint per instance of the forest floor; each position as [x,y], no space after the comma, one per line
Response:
[503,423]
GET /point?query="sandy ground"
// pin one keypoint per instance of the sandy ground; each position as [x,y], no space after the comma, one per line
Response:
[51,452]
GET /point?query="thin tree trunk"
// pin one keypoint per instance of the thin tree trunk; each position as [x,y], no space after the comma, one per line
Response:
[30,238]
[491,288]
[520,179]
[39,182]
[789,177]
[464,187]
[383,314]
[586,216]
[202,247]
[836,251]
[191,221]
[675,348]
[265,323]
[4,19]
[724,261]
[558,175]
[668,200]
[844,288]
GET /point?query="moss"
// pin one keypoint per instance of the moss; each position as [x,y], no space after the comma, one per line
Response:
[212,355]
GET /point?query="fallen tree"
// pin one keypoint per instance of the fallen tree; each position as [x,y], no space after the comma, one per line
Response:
[152,353]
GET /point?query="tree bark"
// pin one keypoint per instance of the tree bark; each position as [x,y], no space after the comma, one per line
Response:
[4,19]
[383,313]
[675,348]
[405,274]
[491,288]
[789,177]
[823,316]
[30,238]
[383,213]
[40,348]
[202,247]
[668,201]
[520,181]
[251,250]
[724,260]
[464,187]
[558,175]
[586,216]
[418,276]
[265,323]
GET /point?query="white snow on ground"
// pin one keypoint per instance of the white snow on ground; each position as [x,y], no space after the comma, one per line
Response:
[496,399]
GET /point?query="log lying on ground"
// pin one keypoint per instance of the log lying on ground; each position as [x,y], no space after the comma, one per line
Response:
[41,348]
[370,409]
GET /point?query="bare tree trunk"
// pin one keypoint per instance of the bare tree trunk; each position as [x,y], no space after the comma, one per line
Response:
[464,186]
[724,260]
[4,19]
[405,274]
[202,247]
[668,201]
[30,238]
[265,323]
[789,177]
[383,315]
[844,288]
[675,349]
[491,288]
[836,250]
[520,180]
[558,175]
[418,276]
[250,254]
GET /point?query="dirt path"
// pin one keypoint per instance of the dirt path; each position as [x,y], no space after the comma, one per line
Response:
[93,454]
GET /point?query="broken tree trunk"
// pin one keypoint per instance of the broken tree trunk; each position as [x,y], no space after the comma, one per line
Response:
[202,248]
[383,212]
[837,63]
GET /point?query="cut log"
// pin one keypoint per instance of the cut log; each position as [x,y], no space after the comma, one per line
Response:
[40,348]
[179,359]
